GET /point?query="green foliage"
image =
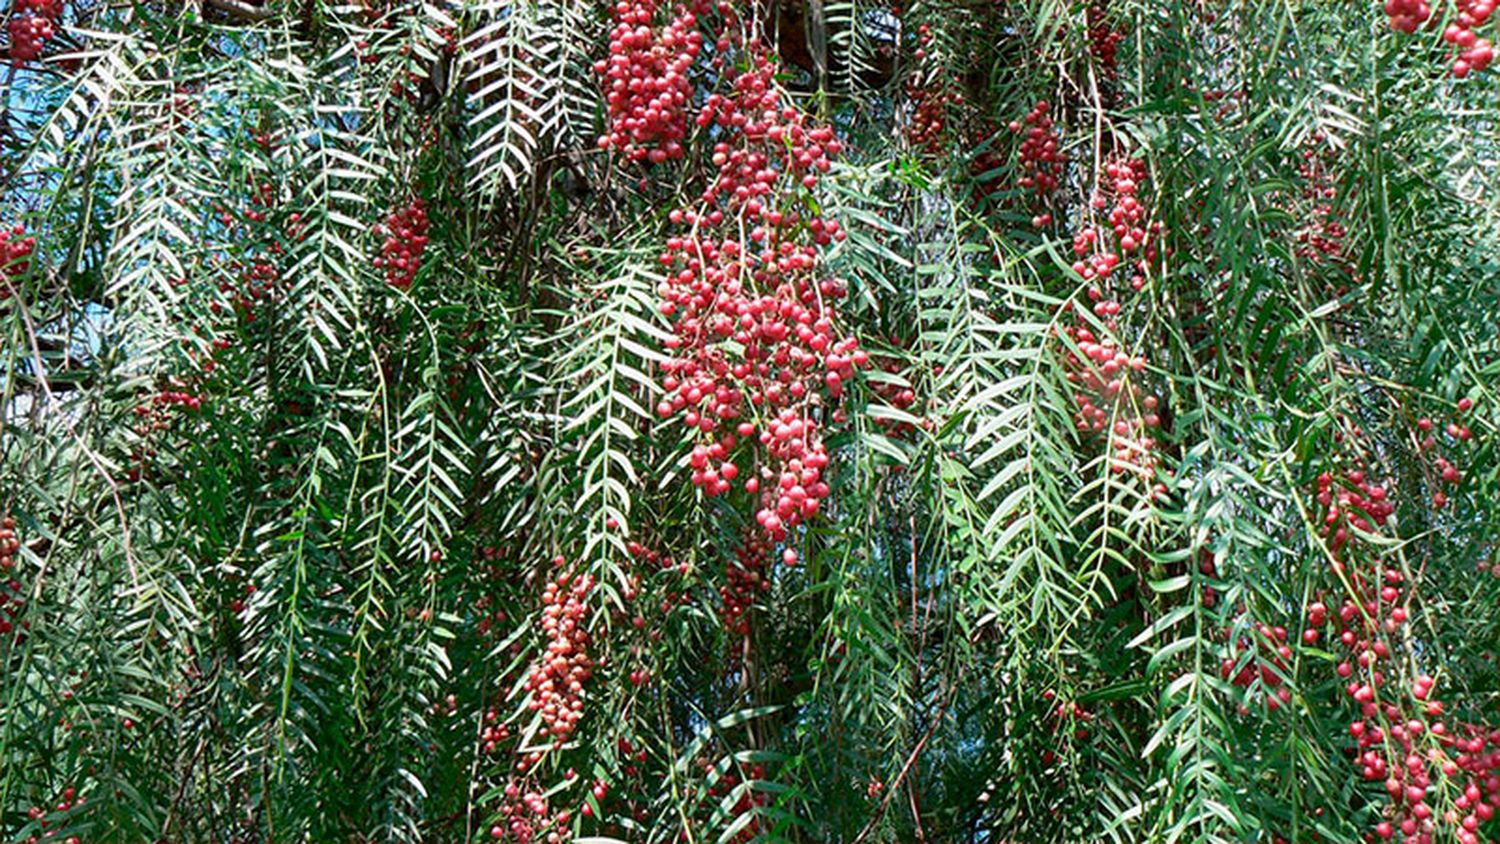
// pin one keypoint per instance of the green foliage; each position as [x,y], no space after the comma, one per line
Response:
[304,606]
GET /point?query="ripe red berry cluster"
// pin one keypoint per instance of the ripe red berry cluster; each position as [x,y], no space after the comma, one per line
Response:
[1127,239]
[1261,660]
[42,815]
[1109,398]
[1104,39]
[1407,15]
[405,239]
[1104,378]
[1472,53]
[529,819]
[1042,162]
[930,93]
[1400,737]
[895,395]
[1448,473]
[756,354]
[12,603]
[1321,238]
[751,800]
[646,78]
[493,732]
[745,579]
[556,679]
[32,24]
[15,257]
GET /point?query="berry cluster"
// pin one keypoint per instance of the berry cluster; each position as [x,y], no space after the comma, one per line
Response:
[1104,379]
[1100,251]
[745,578]
[529,819]
[556,680]
[1407,15]
[11,601]
[1473,53]
[895,395]
[931,94]
[1104,39]
[1448,473]
[1400,737]
[647,87]
[32,24]
[15,257]
[45,817]
[751,801]
[755,353]
[1104,375]
[1321,238]
[1041,160]
[1261,659]
[405,239]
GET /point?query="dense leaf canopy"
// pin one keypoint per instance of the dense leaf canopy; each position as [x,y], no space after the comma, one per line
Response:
[1005,421]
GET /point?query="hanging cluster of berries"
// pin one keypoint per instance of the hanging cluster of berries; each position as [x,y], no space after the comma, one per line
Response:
[1321,238]
[1261,660]
[15,257]
[529,819]
[894,395]
[1471,51]
[1448,474]
[1105,376]
[755,352]
[32,24]
[751,801]
[646,78]
[12,602]
[1401,739]
[1104,380]
[931,93]
[1127,239]
[45,817]
[405,239]
[1042,162]
[556,679]
[1104,39]
[745,579]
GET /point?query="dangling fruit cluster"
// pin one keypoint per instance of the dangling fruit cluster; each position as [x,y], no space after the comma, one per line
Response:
[1042,162]
[11,601]
[1321,238]
[1104,380]
[1407,15]
[646,82]
[1104,39]
[751,801]
[745,579]
[1400,737]
[15,257]
[755,352]
[45,817]
[1472,53]
[931,93]
[556,679]
[405,239]
[529,819]
[1262,658]
[32,24]
[1105,376]
[1448,473]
